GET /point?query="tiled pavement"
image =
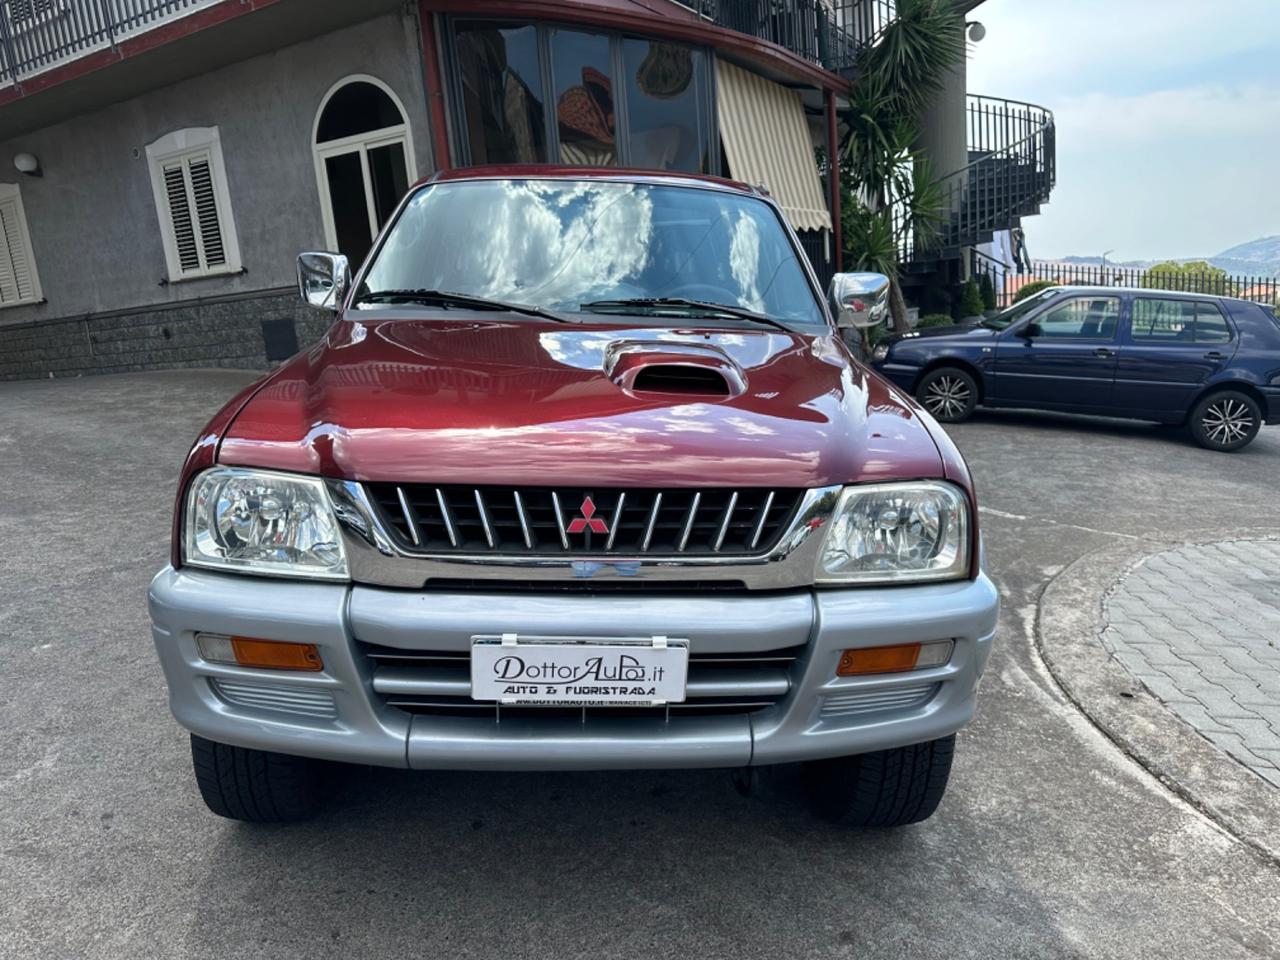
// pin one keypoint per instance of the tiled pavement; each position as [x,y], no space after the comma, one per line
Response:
[1200,627]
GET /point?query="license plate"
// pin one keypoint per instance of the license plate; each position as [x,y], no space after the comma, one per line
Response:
[621,672]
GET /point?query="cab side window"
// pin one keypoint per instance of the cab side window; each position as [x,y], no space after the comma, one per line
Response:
[1083,318]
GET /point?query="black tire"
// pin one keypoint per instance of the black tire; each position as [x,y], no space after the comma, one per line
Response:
[949,393]
[888,788]
[254,785]
[1225,421]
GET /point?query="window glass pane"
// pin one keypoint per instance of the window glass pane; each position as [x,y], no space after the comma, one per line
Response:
[583,85]
[1085,318]
[1211,325]
[357,108]
[501,92]
[350,214]
[1155,319]
[390,179]
[668,106]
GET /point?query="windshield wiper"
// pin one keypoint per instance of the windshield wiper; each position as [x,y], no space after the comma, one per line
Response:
[446,298]
[702,307]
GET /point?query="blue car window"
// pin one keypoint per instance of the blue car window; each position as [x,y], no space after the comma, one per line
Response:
[1155,318]
[1211,325]
[1082,318]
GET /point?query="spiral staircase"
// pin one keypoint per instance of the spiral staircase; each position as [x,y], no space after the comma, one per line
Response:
[1010,174]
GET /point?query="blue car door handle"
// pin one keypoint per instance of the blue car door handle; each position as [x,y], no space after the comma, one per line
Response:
[1215,355]
[1103,352]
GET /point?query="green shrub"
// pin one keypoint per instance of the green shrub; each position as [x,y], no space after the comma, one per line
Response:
[988,291]
[935,320]
[1032,288]
[970,301]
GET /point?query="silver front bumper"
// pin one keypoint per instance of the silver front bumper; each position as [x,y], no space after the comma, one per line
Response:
[336,714]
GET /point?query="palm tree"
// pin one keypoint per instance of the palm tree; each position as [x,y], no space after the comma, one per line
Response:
[890,196]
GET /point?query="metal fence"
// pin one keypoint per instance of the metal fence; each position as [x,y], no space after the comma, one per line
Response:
[36,35]
[831,33]
[1007,282]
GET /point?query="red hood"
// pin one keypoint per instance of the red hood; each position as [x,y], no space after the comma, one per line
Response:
[483,399]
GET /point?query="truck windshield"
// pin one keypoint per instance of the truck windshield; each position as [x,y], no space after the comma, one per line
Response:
[598,247]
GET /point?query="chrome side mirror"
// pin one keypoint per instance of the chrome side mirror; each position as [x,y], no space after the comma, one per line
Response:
[323,279]
[859,300]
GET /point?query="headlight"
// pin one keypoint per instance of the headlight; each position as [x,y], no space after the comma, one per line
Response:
[261,522]
[897,533]
[880,352]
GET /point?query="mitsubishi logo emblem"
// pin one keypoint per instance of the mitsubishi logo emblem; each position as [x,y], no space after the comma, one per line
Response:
[588,520]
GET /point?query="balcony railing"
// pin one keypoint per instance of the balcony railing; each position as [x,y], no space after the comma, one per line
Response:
[37,35]
[1011,171]
[830,33]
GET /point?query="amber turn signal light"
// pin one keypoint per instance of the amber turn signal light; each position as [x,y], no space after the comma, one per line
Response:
[898,658]
[263,654]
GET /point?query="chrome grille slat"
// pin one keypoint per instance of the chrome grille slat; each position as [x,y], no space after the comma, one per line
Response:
[688,524]
[484,520]
[764,515]
[564,534]
[724,524]
[448,520]
[524,521]
[545,522]
[617,518]
[409,518]
[653,522]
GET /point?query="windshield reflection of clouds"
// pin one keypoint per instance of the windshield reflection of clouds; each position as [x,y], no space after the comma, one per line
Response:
[560,243]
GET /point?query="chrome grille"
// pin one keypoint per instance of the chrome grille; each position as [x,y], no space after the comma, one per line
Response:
[543,520]
[437,682]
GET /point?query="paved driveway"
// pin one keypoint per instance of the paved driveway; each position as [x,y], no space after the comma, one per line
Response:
[1050,843]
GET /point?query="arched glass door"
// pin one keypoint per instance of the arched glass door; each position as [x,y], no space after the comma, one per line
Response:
[364,162]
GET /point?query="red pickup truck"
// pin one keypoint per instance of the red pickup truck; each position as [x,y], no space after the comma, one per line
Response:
[581,477]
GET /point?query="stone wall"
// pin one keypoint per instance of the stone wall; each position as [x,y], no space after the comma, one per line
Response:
[250,331]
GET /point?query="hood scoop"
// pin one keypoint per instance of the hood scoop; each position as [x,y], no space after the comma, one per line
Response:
[673,369]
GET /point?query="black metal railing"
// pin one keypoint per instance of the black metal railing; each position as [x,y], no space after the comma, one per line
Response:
[1011,171]
[830,33]
[36,35]
[1008,280]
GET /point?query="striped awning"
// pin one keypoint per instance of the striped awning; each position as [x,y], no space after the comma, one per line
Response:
[766,140]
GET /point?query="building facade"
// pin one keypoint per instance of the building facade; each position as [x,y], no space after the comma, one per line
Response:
[163,162]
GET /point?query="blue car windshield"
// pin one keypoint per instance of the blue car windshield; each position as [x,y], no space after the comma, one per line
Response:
[597,246]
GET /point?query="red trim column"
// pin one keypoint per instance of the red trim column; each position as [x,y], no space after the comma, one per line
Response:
[431,74]
[833,180]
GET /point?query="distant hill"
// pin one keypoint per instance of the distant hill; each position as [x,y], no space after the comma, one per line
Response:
[1259,257]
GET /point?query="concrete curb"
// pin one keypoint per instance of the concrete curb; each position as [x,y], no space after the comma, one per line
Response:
[1069,624]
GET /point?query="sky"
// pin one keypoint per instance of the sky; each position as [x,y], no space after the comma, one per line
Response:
[1168,117]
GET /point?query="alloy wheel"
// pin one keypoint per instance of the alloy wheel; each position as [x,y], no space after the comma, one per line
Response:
[947,397]
[1226,421]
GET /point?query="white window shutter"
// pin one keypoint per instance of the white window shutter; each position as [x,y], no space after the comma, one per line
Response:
[184,235]
[193,203]
[18,281]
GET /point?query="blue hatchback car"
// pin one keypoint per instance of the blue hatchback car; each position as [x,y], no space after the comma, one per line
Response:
[1209,363]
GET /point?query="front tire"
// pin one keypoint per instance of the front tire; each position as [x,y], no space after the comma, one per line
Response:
[949,393]
[1225,421]
[254,785]
[888,788]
